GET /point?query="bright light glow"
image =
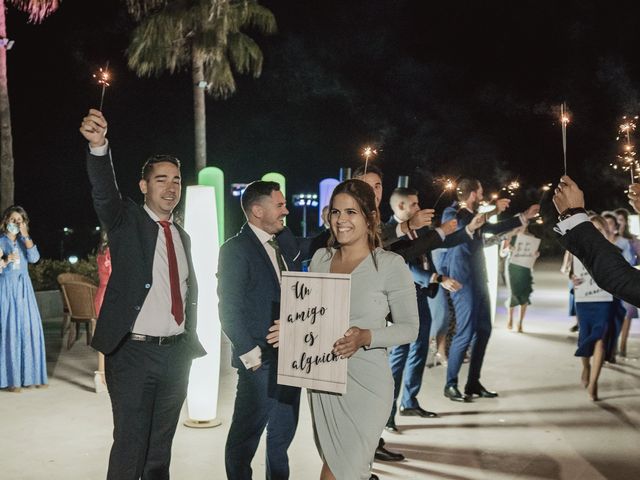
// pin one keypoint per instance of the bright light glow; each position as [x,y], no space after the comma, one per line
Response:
[201,224]
[73,259]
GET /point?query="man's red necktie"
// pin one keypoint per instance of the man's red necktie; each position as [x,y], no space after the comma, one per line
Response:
[174,277]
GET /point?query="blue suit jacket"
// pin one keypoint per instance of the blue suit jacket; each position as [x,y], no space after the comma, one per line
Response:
[466,262]
[249,290]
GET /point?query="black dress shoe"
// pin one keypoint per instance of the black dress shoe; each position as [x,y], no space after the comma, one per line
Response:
[479,391]
[391,425]
[417,412]
[452,393]
[386,455]
[374,477]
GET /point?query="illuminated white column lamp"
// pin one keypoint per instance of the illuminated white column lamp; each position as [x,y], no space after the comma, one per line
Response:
[325,189]
[491,256]
[204,380]
[634,224]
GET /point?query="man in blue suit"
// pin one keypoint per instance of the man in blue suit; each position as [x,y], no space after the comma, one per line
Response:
[466,263]
[249,273]
[408,361]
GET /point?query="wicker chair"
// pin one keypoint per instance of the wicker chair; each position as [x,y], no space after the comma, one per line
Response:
[67,277]
[78,293]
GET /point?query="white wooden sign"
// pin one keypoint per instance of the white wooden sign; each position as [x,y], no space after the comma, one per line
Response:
[588,290]
[523,253]
[314,313]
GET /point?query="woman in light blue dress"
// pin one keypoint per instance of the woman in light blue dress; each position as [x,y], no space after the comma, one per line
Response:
[22,355]
[347,427]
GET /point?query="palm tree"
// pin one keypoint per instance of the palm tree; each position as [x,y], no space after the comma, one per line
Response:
[37,10]
[204,36]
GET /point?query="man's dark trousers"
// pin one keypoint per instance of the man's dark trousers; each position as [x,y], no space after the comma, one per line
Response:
[411,359]
[147,384]
[261,402]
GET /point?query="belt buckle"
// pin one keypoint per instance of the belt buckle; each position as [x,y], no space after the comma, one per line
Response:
[164,340]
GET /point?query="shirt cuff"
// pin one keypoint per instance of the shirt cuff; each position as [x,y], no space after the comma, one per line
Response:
[441,233]
[573,221]
[523,220]
[469,232]
[252,358]
[100,151]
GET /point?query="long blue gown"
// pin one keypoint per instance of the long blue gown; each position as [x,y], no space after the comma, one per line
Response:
[22,355]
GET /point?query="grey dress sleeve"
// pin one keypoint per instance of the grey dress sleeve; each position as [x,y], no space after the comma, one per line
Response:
[402,300]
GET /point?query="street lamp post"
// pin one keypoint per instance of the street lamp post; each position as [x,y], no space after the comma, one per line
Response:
[305,200]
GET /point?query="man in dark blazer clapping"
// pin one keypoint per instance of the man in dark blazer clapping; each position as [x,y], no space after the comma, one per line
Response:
[249,273]
[147,323]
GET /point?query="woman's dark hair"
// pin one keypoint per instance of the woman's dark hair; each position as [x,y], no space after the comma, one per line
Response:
[8,212]
[611,216]
[103,242]
[363,194]
[623,212]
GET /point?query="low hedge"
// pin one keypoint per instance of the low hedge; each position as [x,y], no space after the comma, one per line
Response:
[44,273]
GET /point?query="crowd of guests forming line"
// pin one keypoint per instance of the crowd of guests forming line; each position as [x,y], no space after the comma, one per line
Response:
[409,276]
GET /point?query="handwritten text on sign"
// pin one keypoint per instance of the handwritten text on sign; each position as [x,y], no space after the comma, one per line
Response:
[588,290]
[524,252]
[314,313]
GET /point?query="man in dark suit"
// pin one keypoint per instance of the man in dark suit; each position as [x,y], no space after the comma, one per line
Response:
[601,258]
[147,323]
[466,263]
[249,272]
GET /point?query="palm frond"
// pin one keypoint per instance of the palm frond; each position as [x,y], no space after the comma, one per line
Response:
[220,79]
[245,54]
[138,9]
[38,10]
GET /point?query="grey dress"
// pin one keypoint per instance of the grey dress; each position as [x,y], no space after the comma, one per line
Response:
[347,427]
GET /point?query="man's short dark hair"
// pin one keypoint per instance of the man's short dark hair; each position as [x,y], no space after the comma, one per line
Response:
[359,172]
[405,191]
[255,192]
[151,161]
[465,187]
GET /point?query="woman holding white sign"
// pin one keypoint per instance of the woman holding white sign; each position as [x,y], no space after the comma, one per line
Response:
[596,310]
[347,427]
[522,251]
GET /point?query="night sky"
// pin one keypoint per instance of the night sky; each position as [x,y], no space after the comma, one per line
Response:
[441,88]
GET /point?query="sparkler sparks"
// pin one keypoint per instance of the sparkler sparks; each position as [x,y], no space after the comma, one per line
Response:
[367,153]
[627,159]
[447,186]
[564,121]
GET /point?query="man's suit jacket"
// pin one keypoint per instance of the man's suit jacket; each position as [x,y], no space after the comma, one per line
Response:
[604,261]
[249,290]
[132,242]
[466,262]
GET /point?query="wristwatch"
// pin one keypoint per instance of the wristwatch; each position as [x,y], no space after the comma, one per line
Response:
[570,212]
[439,279]
[27,238]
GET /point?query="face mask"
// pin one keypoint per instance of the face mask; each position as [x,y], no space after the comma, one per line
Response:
[13,229]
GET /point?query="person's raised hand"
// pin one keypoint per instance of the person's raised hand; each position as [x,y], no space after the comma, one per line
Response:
[449,227]
[273,337]
[422,218]
[476,222]
[532,211]
[502,204]
[634,196]
[94,128]
[353,339]
[567,195]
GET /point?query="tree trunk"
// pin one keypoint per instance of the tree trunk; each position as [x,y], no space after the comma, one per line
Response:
[6,142]
[199,111]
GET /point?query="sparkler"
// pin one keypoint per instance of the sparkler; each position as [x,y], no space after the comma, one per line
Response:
[103,79]
[628,157]
[545,188]
[447,186]
[564,120]
[367,153]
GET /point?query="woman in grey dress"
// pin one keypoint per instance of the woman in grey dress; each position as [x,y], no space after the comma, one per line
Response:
[347,427]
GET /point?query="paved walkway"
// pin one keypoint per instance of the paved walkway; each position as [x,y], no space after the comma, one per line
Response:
[543,426]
